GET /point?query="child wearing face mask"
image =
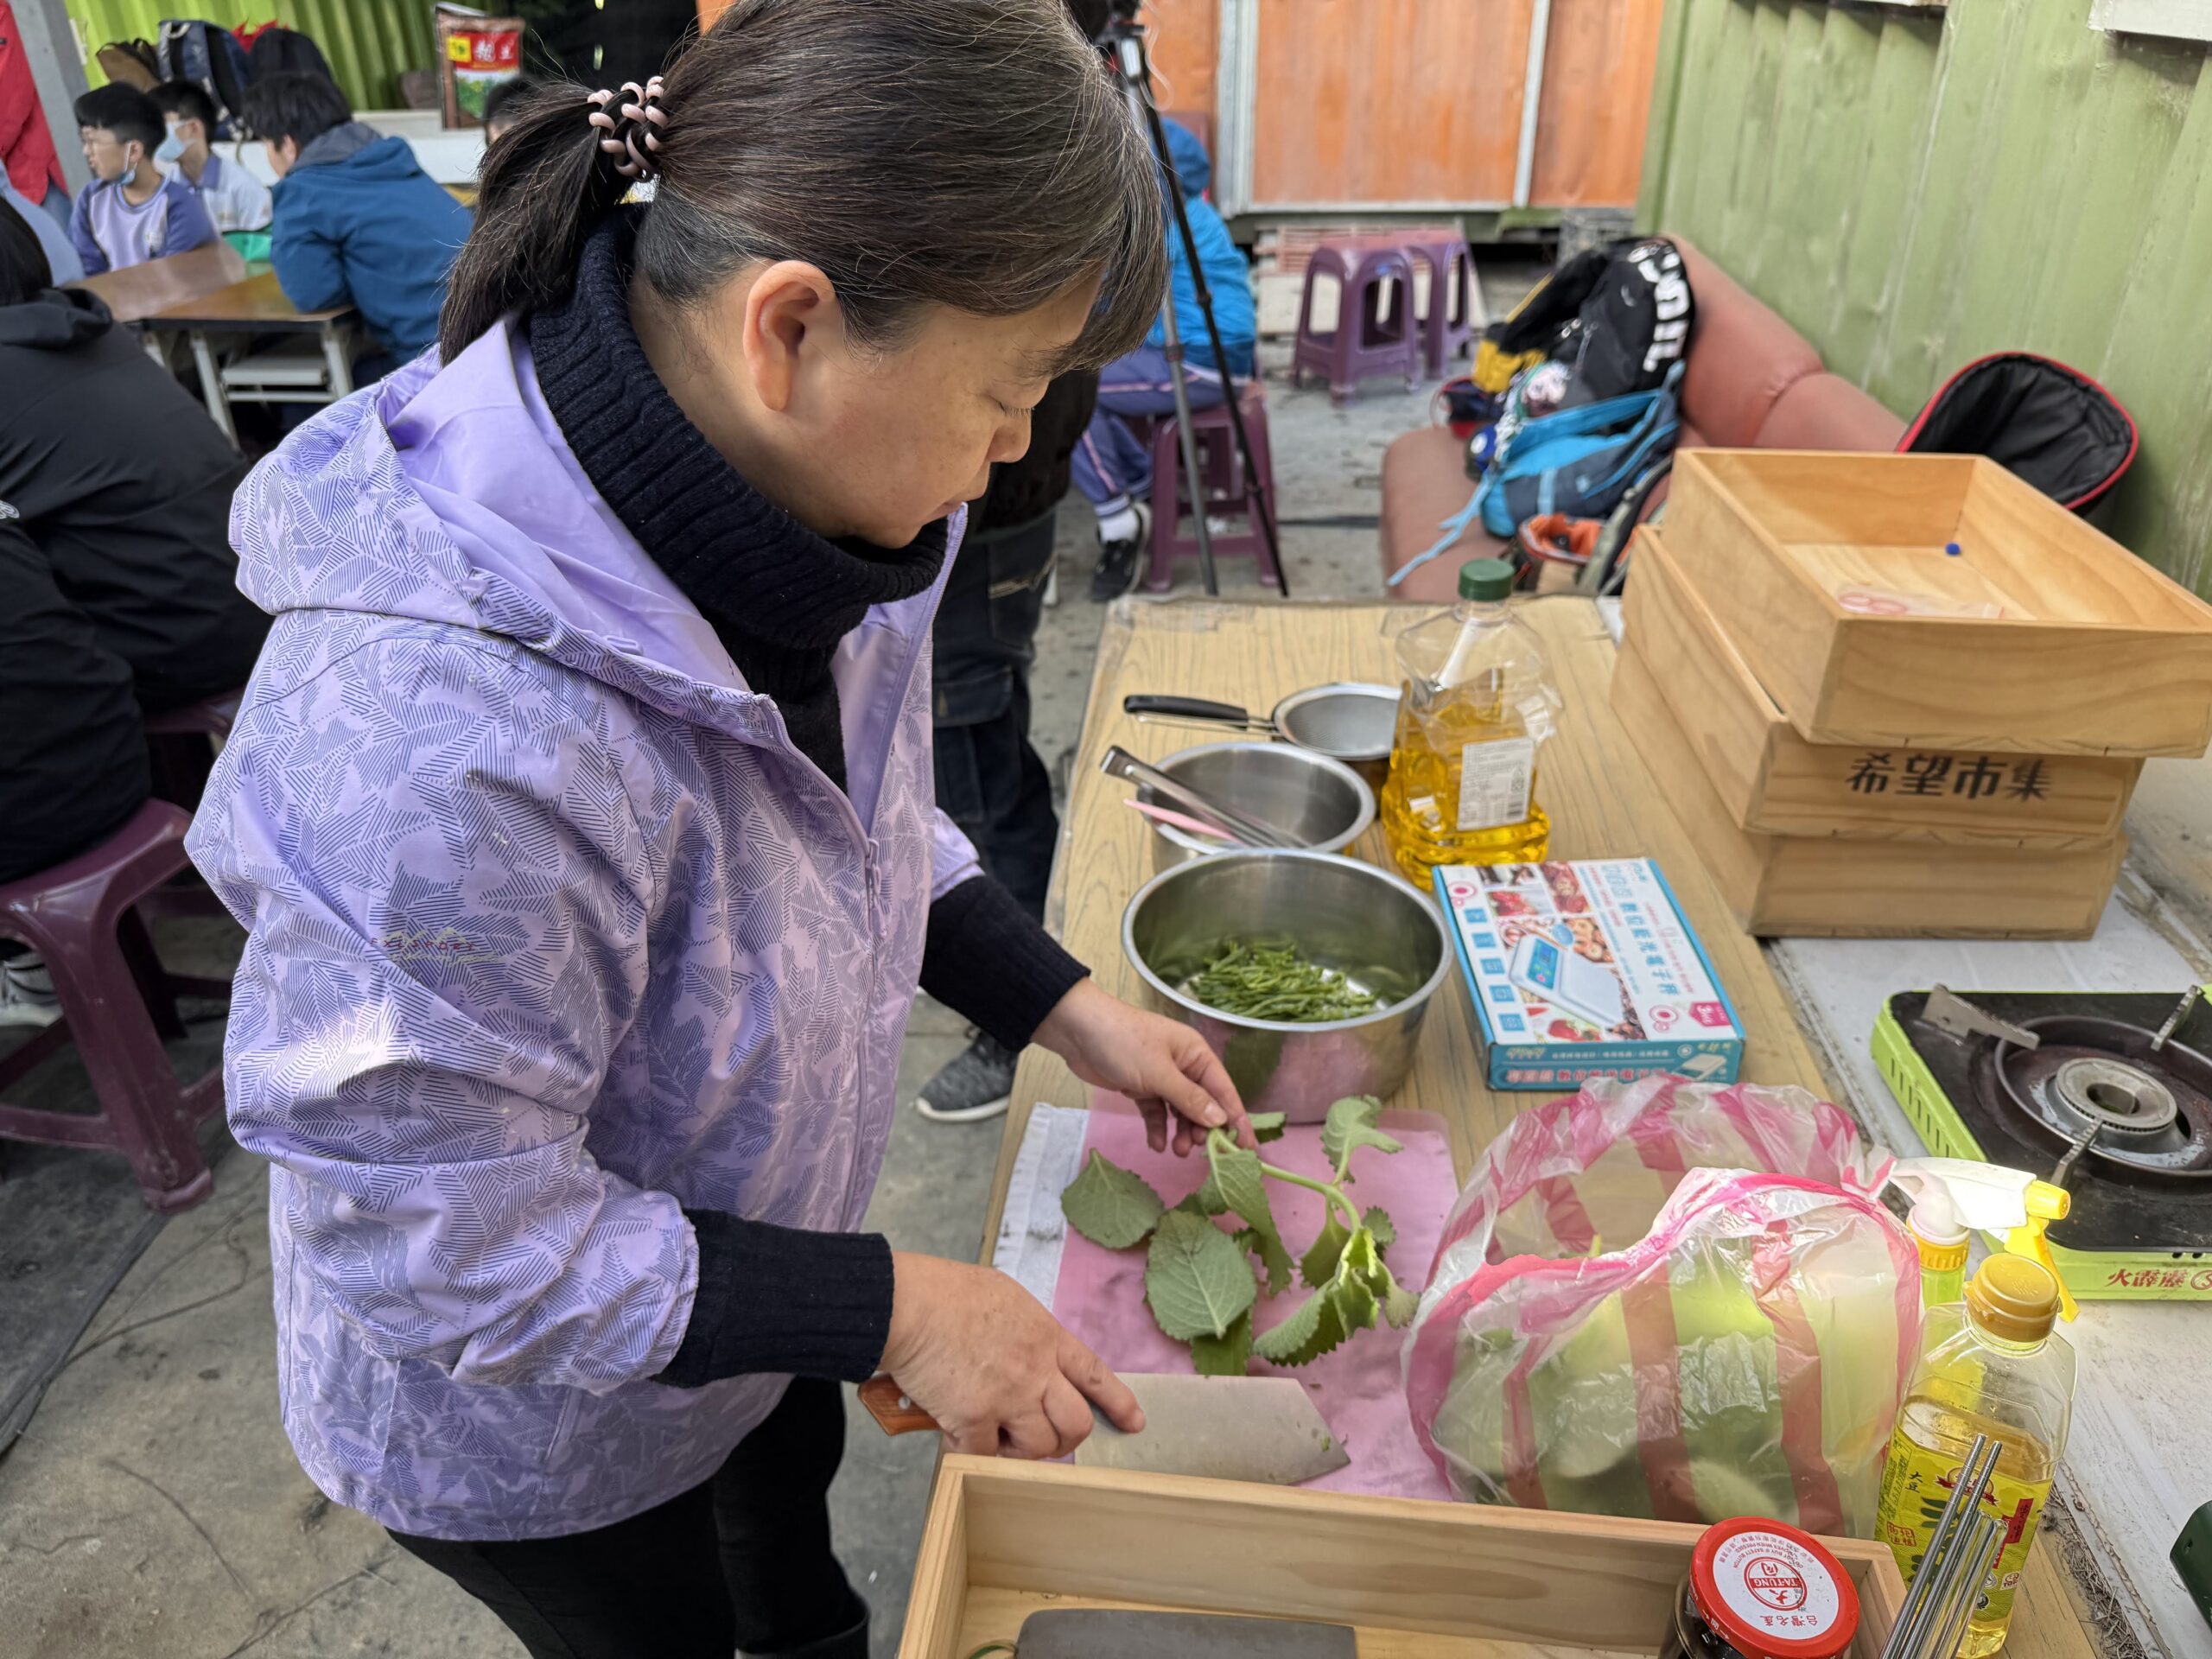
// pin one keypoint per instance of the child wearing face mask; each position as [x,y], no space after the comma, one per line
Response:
[234,199]
[129,213]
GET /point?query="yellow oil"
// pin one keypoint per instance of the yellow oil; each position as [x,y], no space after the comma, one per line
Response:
[1421,798]
[1928,1449]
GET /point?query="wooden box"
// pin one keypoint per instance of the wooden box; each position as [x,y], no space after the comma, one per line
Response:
[1829,885]
[2092,653]
[1419,1580]
[1772,780]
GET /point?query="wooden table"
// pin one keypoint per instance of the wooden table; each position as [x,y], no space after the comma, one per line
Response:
[1603,804]
[137,292]
[255,307]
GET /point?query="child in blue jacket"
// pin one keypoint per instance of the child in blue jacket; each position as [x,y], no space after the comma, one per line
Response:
[356,219]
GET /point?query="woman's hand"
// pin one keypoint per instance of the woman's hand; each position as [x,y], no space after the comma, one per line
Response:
[1165,1067]
[999,1373]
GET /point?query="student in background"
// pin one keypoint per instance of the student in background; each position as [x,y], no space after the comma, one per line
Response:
[357,218]
[234,199]
[60,252]
[32,170]
[129,213]
[1112,468]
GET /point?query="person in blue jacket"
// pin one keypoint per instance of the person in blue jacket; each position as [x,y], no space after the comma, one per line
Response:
[356,219]
[1112,468]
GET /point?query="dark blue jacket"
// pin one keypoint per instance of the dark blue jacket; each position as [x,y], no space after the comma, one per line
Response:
[357,218]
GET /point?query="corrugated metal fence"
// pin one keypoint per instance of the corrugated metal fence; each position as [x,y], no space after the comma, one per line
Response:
[1914,189]
[368,42]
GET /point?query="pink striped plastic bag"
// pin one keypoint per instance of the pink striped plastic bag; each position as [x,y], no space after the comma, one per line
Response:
[1673,1300]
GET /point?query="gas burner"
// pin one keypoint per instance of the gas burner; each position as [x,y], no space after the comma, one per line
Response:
[2097,1092]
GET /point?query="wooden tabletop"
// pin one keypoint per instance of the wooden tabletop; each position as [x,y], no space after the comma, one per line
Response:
[253,304]
[1602,802]
[137,292]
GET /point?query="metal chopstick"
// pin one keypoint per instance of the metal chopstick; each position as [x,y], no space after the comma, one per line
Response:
[1913,1620]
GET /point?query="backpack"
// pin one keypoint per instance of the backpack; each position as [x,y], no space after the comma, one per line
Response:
[130,63]
[1617,317]
[1578,461]
[210,57]
[2051,425]
[274,49]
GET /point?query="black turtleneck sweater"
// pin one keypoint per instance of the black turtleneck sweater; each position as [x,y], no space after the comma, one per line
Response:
[781,597]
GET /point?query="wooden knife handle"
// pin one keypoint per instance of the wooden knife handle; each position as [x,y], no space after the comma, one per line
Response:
[891,1409]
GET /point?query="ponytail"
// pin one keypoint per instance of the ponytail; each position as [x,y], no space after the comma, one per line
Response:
[541,189]
[973,153]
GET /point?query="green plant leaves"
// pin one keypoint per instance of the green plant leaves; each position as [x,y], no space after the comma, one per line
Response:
[1319,1265]
[1237,1180]
[1351,1125]
[1109,1205]
[1228,1354]
[1378,1221]
[1313,1330]
[1196,1278]
[1268,1126]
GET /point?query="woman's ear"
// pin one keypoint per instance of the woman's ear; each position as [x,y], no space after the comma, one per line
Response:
[791,316]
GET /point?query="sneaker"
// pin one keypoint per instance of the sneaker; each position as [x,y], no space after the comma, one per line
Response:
[27,995]
[1117,561]
[974,1084]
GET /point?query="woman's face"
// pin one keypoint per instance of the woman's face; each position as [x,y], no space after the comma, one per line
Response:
[850,441]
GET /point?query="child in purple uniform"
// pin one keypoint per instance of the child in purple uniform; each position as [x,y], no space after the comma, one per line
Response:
[129,213]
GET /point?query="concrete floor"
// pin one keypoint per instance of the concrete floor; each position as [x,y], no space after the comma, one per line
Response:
[152,1507]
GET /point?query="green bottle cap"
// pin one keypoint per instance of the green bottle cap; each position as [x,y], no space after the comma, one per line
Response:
[1485,579]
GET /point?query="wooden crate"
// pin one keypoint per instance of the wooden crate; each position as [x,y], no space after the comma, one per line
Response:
[1772,780]
[1826,886]
[2094,652]
[1419,1580]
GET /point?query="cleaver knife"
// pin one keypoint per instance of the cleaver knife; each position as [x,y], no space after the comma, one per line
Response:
[1256,1429]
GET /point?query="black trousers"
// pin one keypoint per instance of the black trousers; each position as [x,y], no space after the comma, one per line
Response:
[740,1563]
[989,780]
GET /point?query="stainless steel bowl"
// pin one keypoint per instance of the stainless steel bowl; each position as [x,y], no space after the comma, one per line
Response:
[1347,721]
[1323,803]
[1347,916]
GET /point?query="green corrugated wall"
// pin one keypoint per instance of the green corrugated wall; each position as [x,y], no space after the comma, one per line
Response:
[1913,189]
[368,43]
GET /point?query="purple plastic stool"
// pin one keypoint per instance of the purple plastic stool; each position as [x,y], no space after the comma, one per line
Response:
[81,917]
[1228,490]
[181,745]
[1365,342]
[1448,328]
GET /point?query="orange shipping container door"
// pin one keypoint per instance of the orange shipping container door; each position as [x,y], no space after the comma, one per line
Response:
[1600,57]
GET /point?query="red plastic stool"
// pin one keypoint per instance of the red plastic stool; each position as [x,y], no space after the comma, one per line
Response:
[1228,489]
[81,917]
[1366,340]
[1448,328]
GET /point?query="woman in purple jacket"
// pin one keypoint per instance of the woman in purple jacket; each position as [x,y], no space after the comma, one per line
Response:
[581,811]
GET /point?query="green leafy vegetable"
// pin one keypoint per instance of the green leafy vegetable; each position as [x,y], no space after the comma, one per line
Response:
[1196,1278]
[1226,1355]
[1199,1281]
[1268,1126]
[1275,982]
[1110,1205]
[1351,1125]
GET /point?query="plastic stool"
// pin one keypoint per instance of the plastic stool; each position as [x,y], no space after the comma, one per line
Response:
[1365,342]
[181,745]
[1448,328]
[1228,489]
[81,917]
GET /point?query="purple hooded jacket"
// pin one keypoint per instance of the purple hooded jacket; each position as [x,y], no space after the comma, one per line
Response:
[554,932]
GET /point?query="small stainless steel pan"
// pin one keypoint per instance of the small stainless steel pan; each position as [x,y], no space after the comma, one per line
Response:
[1347,721]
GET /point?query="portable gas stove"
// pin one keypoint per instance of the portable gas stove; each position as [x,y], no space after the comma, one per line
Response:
[2107,1096]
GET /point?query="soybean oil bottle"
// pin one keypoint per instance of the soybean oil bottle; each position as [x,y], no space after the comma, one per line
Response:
[1477,703]
[2001,1372]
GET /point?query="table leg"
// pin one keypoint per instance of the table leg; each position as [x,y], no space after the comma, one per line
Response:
[211,385]
[342,368]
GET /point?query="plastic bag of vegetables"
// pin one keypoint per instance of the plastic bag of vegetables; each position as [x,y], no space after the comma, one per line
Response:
[1673,1300]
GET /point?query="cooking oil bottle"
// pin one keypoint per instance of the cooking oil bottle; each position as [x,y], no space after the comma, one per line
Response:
[2003,1374]
[1478,703]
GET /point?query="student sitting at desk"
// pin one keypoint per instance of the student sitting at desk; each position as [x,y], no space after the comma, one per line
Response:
[129,213]
[357,219]
[234,199]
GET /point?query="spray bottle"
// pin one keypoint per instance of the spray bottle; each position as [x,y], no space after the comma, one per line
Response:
[1952,1196]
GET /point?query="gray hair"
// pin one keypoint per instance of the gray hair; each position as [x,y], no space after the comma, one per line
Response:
[974,154]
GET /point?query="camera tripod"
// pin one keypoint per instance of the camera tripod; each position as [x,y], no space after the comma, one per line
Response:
[1122,41]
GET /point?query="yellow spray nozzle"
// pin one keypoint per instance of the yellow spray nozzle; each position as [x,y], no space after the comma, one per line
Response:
[2030,1240]
[2046,1203]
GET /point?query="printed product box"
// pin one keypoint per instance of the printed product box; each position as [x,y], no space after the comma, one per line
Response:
[1585,968]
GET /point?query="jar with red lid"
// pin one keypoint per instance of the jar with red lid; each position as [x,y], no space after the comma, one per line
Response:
[1761,1590]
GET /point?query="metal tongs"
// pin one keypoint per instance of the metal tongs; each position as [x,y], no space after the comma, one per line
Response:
[1944,1591]
[1118,762]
